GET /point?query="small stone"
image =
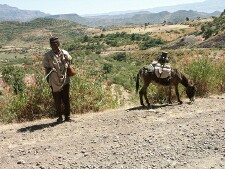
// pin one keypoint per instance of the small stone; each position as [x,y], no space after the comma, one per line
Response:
[21,162]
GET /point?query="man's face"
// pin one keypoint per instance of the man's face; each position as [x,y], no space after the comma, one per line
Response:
[54,46]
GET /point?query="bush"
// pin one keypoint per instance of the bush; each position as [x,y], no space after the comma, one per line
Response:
[13,75]
[107,67]
[120,56]
[151,42]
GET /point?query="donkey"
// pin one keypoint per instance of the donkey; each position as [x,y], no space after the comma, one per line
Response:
[175,78]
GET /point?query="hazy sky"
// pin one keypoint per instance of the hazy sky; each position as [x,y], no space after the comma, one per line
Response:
[82,7]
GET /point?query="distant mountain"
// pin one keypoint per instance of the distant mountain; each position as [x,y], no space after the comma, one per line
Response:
[155,15]
[208,6]
[8,13]
[135,18]
[71,17]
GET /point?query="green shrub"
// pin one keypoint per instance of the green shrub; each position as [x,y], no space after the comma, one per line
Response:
[120,56]
[151,42]
[13,75]
[107,67]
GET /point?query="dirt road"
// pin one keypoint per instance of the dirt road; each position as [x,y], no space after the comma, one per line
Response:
[187,136]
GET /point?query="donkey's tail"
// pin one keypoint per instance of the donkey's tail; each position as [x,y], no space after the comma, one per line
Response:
[137,82]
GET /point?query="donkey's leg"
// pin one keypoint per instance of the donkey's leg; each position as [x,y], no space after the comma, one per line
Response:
[146,98]
[177,94]
[142,92]
[170,95]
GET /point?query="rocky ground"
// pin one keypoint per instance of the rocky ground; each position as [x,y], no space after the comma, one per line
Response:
[187,136]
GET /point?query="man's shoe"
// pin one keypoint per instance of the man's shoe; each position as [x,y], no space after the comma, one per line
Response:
[68,119]
[59,120]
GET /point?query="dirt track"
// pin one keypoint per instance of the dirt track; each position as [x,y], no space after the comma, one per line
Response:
[167,136]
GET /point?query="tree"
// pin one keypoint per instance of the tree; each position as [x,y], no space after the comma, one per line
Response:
[86,38]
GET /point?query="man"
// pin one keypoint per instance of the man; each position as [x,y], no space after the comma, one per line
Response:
[56,62]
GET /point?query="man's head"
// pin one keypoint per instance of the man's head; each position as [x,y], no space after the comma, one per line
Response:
[54,40]
[54,43]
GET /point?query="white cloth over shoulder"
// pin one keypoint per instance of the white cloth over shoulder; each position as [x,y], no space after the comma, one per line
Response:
[58,63]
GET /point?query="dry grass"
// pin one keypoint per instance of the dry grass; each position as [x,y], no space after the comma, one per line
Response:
[152,28]
[163,31]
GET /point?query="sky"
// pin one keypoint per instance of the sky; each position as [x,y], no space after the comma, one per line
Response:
[84,7]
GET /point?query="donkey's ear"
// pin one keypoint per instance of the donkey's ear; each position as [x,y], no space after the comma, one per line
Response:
[193,83]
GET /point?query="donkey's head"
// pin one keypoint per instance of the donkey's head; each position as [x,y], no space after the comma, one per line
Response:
[191,92]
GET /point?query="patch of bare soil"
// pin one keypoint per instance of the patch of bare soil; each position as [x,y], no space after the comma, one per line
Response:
[167,136]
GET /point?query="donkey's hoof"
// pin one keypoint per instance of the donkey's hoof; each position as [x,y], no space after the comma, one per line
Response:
[150,106]
[180,102]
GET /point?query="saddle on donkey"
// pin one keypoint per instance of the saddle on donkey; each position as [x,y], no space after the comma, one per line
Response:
[161,68]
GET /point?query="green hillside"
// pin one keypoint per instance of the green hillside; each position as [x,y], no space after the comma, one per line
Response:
[215,27]
[37,31]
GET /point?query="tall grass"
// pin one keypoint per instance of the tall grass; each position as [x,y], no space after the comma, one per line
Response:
[88,92]
[208,75]
[35,102]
